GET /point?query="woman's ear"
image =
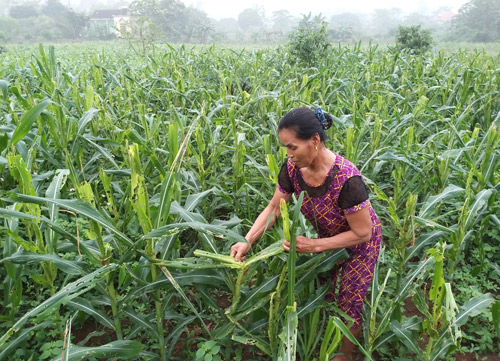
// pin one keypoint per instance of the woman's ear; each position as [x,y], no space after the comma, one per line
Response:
[316,140]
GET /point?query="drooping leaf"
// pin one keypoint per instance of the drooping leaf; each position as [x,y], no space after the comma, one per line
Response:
[67,266]
[66,294]
[117,349]
[479,202]
[432,203]
[26,122]
[85,306]
[79,207]
[210,229]
[407,338]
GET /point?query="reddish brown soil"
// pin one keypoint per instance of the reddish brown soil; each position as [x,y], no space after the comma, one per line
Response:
[79,334]
[411,310]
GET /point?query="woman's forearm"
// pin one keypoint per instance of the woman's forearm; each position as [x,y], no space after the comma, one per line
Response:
[259,226]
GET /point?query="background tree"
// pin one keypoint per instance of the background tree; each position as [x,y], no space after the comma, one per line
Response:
[250,20]
[23,11]
[309,42]
[5,6]
[478,20]
[174,20]
[141,34]
[415,38]
[415,19]
[70,23]
[345,27]
[385,21]
[55,10]
[283,21]
[346,20]
[196,25]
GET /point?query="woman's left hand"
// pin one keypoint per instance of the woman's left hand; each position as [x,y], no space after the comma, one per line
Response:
[302,245]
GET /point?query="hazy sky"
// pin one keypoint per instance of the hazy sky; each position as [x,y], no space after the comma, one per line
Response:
[231,8]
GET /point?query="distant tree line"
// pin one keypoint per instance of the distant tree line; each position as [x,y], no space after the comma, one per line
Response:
[171,20]
[51,20]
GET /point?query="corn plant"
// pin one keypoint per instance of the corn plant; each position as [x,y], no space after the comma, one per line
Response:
[124,180]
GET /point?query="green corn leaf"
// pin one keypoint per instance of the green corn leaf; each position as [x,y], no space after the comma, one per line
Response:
[160,284]
[479,203]
[428,223]
[473,307]
[288,336]
[228,260]
[194,200]
[177,332]
[189,216]
[140,321]
[331,341]
[286,220]
[421,242]
[20,241]
[270,251]
[89,97]
[67,339]
[20,338]
[4,87]
[413,323]
[85,306]
[11,214]
[439,351]
[338,322]
[26,122]
[495,311]
[266,286]
[68,292]
[116,349]
[183,295]
[402,293]
[319,263]
[407,338]
[54,192]
[437,291]
[201,277]
[253,340]
[192,263]
[87,117]
[432,203]
[79,207]
[167,188]
[210,229]
[107,154]
[67,266]
[313,302]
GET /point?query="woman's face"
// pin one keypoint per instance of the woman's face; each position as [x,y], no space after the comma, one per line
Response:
[301,152]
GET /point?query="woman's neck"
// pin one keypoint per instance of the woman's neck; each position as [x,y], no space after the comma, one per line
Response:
[323,161]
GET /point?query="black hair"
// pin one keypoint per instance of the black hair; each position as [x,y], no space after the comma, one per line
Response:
[306,122]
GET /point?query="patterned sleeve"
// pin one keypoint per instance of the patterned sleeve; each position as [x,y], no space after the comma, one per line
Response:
[353,195]
[284,183]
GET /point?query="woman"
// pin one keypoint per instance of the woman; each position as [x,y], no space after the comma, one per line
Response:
[336,203]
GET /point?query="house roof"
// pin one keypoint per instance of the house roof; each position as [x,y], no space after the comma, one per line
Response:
[109,14]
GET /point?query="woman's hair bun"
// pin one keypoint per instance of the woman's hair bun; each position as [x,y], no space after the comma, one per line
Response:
[329,121]
[325,119]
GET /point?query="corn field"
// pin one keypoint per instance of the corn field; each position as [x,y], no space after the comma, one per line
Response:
[125,179]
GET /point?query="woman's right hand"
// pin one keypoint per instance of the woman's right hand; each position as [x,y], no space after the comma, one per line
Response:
[238,250]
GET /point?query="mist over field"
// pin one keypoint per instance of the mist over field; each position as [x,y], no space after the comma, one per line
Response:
[229,22]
